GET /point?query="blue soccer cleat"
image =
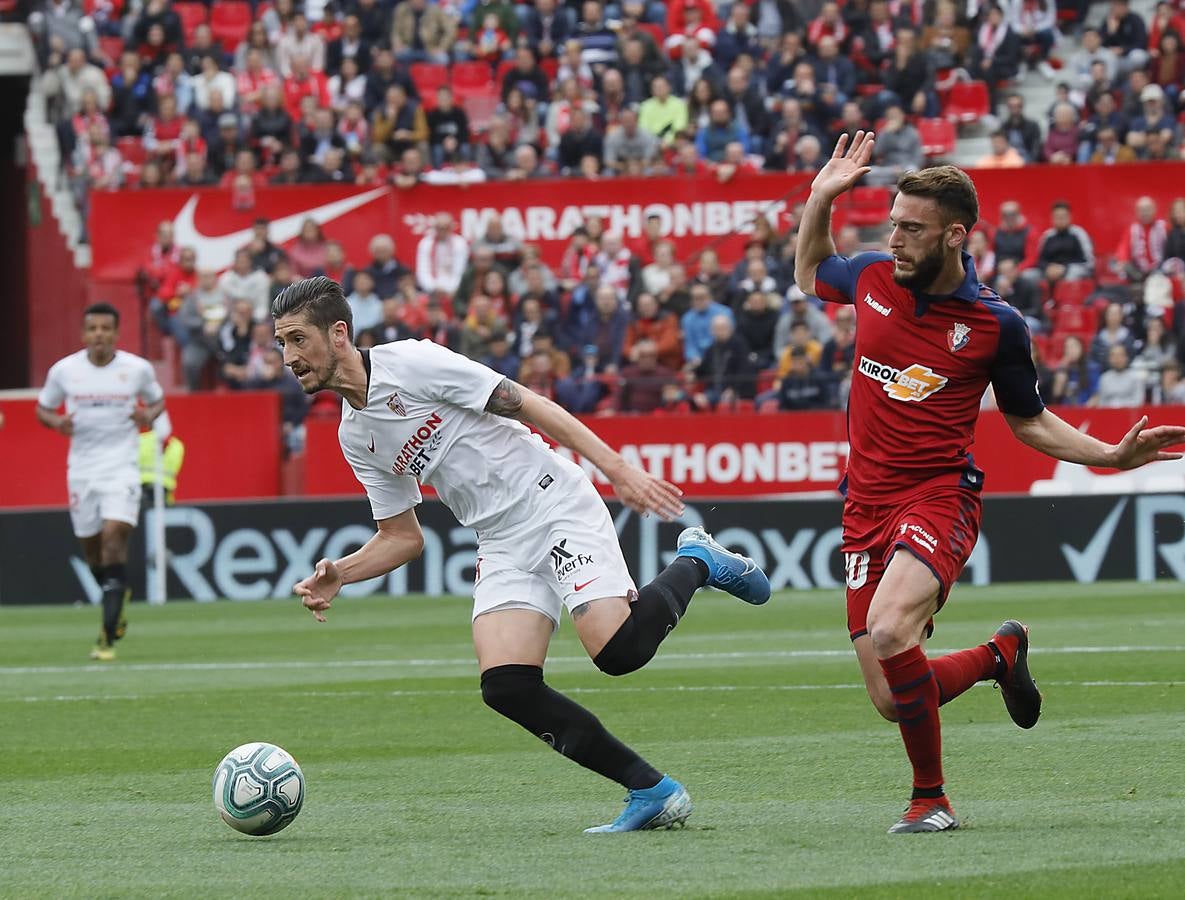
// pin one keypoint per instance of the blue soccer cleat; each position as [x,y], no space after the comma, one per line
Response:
[665,805]
[731,572]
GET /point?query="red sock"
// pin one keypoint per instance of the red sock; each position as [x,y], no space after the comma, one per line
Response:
[915,694]
[956,672]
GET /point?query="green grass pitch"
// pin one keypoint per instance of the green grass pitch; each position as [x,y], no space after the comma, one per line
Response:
[416,789]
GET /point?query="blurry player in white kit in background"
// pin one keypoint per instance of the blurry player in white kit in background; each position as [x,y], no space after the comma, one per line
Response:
[414,412]
[109,396]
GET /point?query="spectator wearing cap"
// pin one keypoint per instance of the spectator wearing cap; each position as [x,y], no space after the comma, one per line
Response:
[422,32]
[1153,118]
[799,309]
[546,29]
[441,257]
[722,129]
[664,115]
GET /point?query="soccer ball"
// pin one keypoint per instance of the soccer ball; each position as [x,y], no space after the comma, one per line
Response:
[258,788]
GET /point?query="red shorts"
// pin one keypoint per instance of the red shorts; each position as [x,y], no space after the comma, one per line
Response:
[940,528]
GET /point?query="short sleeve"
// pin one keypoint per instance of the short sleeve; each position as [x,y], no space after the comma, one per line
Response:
[53,394]
[389,494]
[444,375]
[1014,377]
[150,389]
[836,277]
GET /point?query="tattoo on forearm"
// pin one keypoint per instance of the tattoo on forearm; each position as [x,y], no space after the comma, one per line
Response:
[507,400]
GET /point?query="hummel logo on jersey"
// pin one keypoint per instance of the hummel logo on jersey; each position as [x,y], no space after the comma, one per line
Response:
[566,562]
[877,305]
[958,337]
[917,382]
[396,405]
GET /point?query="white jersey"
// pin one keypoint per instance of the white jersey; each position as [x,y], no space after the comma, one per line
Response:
[101,399]
[424,423]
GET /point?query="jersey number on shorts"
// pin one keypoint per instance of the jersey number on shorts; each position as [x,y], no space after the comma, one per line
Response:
[857,568]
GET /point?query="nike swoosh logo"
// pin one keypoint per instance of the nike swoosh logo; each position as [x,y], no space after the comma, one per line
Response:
[370,447]
[218,251]
[581,587]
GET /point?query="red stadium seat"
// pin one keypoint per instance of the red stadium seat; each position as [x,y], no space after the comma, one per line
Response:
[132,150]
[1073,293]
[967,102]
[230,20]
[472,74]
[1075,318]
[938,136]
[504,67]
[479,104]
[427,78]
[111,46]
[192,15]
[868,207]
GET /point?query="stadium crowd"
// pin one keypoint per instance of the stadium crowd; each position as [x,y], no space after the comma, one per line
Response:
[373,92]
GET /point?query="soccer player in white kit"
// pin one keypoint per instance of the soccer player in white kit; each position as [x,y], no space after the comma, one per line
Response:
[416,413]
[109,396]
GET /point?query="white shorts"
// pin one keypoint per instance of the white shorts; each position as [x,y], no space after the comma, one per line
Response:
[96,501]
[569,557]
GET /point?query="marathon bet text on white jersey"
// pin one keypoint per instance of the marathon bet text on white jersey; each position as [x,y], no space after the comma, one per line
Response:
[425,423]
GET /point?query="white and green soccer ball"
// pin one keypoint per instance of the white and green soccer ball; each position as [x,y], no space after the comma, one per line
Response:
[258,788]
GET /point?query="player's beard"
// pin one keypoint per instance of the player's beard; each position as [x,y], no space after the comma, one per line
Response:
[925,270]
[327,378]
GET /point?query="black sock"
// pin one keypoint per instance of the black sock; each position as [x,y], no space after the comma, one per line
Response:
[114,583]
[99,573]
[658,609]
[519,693]
[927,793]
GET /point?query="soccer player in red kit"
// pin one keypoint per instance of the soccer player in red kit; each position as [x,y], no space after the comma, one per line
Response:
[930,340]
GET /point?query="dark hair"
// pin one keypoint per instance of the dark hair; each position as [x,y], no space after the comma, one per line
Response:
[321,301]
[949,187]
[101,309]
[1060,204]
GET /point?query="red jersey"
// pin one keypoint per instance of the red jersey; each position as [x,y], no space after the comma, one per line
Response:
[922,366]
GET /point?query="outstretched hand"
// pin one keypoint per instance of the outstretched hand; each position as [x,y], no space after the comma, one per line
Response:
[846,166]
[1143,445]
[643,493]
[318,590]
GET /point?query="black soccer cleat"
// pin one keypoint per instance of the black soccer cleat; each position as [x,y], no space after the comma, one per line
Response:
[924,815]
[1021,697]
[121,627]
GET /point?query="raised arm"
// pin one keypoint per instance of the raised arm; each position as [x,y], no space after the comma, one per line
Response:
[1055,437]
[844,169]
[639,491]
[398,541]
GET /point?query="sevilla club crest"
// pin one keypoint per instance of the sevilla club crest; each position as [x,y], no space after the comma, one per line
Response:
[396,405]
[958,337]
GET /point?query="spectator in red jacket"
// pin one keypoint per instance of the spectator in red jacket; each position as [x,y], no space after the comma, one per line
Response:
[304,82]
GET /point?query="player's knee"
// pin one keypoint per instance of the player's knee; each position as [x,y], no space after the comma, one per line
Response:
[883,701]
[890,636]
[509,690]
[624,653]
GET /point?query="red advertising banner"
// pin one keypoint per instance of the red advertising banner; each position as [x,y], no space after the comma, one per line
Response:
[232,449]
[695,211]
[805,453]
